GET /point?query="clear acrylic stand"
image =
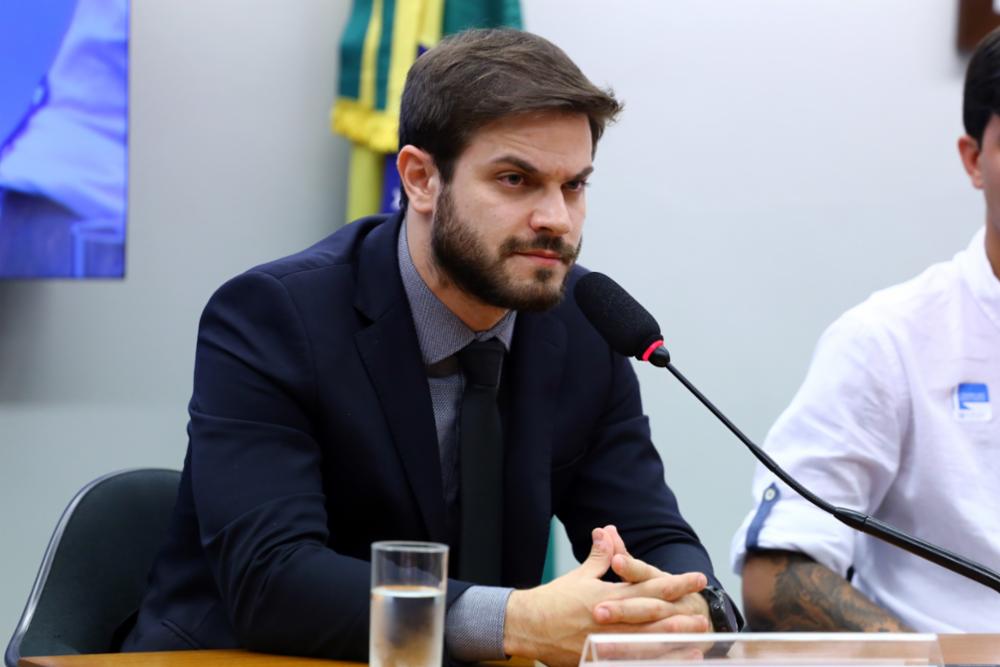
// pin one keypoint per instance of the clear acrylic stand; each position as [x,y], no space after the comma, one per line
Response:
[785,649]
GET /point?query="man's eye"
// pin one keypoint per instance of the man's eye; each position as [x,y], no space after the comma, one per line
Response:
[512,179]
[577,186]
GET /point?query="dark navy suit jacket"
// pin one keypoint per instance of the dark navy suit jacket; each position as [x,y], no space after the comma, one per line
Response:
[312,435]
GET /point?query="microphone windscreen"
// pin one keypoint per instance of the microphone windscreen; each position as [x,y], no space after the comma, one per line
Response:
[620,319]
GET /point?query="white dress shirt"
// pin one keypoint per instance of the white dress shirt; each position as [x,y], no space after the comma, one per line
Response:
[898,417]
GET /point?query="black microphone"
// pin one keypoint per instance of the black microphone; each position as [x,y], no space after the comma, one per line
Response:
[620,319]
[630,330]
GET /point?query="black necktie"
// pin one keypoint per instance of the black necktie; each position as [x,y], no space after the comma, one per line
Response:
[481,463]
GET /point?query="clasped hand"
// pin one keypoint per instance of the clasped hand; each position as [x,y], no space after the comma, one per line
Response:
[549,623]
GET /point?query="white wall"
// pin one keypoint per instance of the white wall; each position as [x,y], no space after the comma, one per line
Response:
[232,164]
[777,161]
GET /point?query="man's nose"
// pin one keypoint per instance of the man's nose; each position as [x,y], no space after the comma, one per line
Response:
[551,213]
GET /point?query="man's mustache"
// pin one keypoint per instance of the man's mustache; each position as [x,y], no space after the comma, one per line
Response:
[567,253]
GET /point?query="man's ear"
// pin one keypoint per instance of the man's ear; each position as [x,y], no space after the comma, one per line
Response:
[419,177]
[968,150]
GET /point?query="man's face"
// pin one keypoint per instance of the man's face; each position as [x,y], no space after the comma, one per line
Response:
[507,228]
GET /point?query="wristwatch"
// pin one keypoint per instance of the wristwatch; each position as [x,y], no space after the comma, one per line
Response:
[720,610]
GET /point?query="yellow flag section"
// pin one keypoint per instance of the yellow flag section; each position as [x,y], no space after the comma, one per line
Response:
[388,35]
[380,42]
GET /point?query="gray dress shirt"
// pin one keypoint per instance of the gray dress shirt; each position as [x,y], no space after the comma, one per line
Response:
[475,623]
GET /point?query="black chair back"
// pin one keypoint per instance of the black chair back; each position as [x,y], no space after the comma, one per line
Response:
[95,568]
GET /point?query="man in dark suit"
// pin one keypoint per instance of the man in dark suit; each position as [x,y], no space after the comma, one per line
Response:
[329,389]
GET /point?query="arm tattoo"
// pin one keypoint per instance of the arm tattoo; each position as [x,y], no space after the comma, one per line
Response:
[808,596]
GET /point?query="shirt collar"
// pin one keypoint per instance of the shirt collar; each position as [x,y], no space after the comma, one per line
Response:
[978,274]
[440,332]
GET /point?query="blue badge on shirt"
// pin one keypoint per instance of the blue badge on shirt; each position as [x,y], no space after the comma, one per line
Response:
[972,402]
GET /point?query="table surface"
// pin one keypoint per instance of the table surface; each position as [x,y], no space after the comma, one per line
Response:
[971,649]
[956,649]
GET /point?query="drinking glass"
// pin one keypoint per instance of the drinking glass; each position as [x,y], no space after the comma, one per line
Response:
[407,609]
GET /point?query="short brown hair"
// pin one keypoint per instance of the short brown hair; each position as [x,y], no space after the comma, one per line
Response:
[477,76]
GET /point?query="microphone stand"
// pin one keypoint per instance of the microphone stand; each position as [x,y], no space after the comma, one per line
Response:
[857,520]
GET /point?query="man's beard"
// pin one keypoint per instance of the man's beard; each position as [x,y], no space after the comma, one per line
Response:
[461,254]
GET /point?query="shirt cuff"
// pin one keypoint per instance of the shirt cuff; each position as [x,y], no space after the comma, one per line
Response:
[473,630]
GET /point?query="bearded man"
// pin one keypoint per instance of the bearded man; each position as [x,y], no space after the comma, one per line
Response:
[329,390]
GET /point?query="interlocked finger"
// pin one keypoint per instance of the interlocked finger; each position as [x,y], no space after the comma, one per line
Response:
[683,623]
[633,610]
[632,569]
[669,587]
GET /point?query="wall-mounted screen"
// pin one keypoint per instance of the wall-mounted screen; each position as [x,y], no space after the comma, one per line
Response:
[63,138]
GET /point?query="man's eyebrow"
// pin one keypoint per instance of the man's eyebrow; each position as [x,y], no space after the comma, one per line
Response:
[529,168]
[523,165]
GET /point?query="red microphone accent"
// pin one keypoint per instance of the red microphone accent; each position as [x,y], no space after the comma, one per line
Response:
[652,348]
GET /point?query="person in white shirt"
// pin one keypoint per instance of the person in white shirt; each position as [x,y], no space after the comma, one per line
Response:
[897,418]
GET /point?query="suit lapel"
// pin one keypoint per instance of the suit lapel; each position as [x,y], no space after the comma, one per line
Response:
[537,359]
[391,355]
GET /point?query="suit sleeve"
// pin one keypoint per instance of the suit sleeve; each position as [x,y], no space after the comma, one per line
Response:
[257,480]
[620,480]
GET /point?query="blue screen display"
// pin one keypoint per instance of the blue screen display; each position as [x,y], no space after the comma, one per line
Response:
[63,138]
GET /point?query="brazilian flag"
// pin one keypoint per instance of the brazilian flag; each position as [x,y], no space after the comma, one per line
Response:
[380,42]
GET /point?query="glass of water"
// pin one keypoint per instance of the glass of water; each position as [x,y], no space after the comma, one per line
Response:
[407,616]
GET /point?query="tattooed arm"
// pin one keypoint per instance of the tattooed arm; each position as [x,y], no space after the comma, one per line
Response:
[786,590]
